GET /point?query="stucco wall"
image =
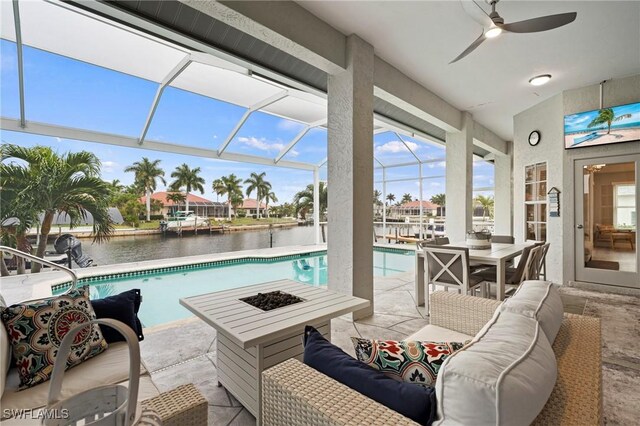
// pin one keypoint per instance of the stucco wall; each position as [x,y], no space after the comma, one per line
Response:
[548,118]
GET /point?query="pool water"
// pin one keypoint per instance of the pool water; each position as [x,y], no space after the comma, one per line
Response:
[161,291]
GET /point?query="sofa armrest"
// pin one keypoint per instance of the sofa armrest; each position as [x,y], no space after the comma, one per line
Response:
[294,394]
[459,312]
[577,396]
[182,406]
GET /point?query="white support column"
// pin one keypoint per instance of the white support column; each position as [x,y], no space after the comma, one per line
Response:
[503,209]
[384,202]
[350,173]
[459,181]
[16,20]
[421,207]
[316,204]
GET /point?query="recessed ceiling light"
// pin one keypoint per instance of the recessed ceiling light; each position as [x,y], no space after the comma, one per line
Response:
[493,32]
[539,80]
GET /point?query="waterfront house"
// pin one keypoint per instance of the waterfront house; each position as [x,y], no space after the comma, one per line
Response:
[411,209]
[199,205]
[250,207]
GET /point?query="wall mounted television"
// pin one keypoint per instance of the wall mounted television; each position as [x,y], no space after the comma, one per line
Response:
[602,127]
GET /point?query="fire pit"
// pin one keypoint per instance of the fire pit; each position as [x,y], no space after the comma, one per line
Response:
[272,300]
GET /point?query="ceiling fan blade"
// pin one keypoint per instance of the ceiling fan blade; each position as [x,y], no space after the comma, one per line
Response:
[543,23]
[471,48]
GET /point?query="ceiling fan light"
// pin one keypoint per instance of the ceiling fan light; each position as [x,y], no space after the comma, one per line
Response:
[493,32]
[539,80]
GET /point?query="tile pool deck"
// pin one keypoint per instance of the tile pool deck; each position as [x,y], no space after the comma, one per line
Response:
[192,357]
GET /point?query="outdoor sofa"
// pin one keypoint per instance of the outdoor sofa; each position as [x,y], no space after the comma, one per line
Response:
[296,394]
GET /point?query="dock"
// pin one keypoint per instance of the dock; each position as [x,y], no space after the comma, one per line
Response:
[195,229]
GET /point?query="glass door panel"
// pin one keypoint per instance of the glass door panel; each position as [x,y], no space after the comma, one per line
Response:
[606,221]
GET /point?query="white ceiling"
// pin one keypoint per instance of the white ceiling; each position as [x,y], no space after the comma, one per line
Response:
[421,37]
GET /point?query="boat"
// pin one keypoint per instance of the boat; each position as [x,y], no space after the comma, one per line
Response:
[185,219]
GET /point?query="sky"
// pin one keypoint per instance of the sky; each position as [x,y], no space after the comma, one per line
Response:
[70,93]
[580,122]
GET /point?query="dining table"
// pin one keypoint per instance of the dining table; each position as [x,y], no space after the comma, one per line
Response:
[498,255]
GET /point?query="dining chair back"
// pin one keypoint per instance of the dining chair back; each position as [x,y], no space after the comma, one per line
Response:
[531,267]
[449,267]
[440,241]
[518,276]
[541,259]
[503,239]
[422,243]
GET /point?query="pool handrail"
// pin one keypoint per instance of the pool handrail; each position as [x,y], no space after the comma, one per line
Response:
[74,276]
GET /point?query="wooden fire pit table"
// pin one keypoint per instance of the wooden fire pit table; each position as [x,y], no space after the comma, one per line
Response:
[251,340]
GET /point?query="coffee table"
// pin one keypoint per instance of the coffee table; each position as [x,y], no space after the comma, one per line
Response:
[251,340]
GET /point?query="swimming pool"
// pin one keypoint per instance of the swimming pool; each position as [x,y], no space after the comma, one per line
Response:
[161,289]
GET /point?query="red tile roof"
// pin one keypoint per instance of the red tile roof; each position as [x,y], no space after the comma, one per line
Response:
[427,205]
[251,203]
[162,197]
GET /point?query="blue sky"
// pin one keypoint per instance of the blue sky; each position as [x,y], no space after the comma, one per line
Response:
[579,122]
[70,93]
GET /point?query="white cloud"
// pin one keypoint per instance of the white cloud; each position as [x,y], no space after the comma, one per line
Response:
[59,139]
[110,166]
[289,125]
[394,147]
[261,143]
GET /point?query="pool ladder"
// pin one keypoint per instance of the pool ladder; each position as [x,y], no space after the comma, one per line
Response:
[74,276]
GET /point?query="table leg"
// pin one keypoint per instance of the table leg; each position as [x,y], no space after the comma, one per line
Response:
[501,278]
[419,280]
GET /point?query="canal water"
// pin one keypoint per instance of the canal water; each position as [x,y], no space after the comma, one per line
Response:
[150,247]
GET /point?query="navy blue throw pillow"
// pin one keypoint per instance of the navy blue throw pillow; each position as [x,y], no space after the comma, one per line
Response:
[122,307]
[416,402]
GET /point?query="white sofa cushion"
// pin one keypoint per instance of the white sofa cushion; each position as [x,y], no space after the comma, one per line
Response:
[541,301]
[504,376]
[433,333]
[109,367]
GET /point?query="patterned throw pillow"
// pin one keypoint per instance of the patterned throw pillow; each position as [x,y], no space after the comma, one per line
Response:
[36,330]
[408,361]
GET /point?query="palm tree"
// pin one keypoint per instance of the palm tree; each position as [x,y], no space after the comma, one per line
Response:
[177,198]
[146,175]
[50,183]
[257,183]
[216,185]
[391,198]
[406,198]
[304,200]
[232,187]
[376,197]
[270,196]
[189,179]
[607,116]
[439,200]
[486,202]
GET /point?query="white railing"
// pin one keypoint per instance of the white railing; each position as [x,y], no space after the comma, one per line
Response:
[32,258]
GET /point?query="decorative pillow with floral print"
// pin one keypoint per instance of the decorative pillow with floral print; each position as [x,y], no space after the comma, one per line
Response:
[36,330]
[408,361]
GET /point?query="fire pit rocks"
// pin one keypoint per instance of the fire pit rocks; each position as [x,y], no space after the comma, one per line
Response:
[272,300]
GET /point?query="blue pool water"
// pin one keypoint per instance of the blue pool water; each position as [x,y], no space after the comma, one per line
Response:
[162,290]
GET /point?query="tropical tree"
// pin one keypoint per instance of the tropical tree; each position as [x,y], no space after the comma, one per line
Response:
[147,173]
[236,202]
[391,198]
[270,196]
[486,202]
[188,178]
[606,115]
[438,199]
[50,183]
[217,185]
[231,186]
[256,182]
[376,197]
[406,198]
[304,200]
[176,197]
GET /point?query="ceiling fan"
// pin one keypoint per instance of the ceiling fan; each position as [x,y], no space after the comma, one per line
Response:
[497,26]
